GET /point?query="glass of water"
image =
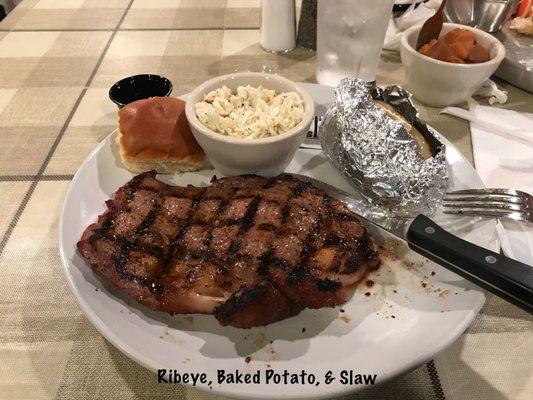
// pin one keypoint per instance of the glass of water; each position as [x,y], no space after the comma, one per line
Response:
[350,36]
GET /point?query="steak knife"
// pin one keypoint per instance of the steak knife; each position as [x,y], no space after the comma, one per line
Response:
[503,276]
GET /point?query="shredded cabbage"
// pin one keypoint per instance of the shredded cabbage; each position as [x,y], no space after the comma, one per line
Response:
[250,112]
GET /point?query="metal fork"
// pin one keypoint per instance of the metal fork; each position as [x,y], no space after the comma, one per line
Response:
[494,203]
[312,140]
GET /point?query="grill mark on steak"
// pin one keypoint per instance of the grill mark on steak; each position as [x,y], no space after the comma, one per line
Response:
[176,241]
[285,211]
[297,274]
[123,255]
[297,190]
[250,214]
[102,232]
[243,308]
[274,247]
[246,221]
[327,285]
[264,261]
[242,298]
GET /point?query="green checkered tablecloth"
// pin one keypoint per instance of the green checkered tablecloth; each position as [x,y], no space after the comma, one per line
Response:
[57,61]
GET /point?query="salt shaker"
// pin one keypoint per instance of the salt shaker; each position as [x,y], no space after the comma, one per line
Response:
[278,25]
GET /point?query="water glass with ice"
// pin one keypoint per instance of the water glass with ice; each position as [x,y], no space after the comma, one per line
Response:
[350,36]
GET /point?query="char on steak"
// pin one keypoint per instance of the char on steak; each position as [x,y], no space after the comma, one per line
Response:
[248,249]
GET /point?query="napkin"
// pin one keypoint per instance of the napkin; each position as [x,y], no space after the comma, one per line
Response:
[412,16]
[503,162]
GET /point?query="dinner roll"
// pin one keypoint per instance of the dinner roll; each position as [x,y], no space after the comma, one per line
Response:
[154,135]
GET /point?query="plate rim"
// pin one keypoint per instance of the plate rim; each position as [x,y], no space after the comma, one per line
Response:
[151,365]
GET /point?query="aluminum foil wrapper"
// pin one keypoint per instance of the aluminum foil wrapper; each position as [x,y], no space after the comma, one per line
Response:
[377,154]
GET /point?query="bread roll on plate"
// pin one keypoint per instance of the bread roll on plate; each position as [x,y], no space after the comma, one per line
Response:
[154,135]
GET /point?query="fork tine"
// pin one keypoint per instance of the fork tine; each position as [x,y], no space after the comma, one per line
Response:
[484,205]
[311,134]
[496,203]
[315,130]
[508,192]
[311,138]
[486,198]
[514,215]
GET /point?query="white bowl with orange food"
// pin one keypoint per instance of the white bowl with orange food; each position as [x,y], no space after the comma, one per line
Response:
[243,141]
[439,83]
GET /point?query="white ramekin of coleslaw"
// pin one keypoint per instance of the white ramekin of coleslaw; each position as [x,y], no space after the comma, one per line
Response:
[249,122]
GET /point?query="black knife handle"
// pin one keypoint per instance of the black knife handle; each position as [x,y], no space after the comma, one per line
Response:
[505,277]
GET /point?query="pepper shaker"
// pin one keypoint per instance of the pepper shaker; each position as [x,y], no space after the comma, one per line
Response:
[278,25]
[306,36]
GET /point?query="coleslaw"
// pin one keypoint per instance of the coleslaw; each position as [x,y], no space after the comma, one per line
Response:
[250,112]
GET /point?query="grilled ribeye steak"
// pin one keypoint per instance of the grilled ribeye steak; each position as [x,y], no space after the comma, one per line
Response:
[248,249]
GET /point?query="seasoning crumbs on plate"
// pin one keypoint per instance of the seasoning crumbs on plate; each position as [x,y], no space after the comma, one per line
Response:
[345,319]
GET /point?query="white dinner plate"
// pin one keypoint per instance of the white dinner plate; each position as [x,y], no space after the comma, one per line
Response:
[414,310]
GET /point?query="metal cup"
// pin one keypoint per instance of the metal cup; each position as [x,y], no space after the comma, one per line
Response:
[487,15]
